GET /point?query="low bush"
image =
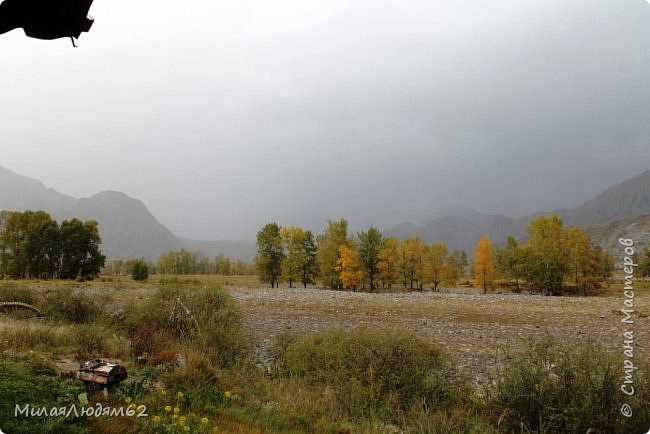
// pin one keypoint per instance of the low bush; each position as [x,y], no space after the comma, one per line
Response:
[372,373]
[198,380]
[568,388]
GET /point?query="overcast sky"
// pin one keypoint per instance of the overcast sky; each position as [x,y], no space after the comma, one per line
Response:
[222,116]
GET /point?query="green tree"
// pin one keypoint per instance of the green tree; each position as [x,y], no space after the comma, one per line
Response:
[329,242]
[308,264]
[547,256]
[140,270]
[222,265]
[438,266]
[370,245]
[239,267]
[291,264]
[460,260]
[80,254]
[511,261]
[15,240]
[43,245]
[270,253]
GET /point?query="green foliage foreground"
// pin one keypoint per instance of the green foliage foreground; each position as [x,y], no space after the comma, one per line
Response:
[363,380]
[373,373]
[562,388]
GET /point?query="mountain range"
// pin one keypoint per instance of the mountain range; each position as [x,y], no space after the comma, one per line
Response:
[129,230]
[620,206]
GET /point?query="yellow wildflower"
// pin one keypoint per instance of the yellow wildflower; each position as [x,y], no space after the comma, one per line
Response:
[186,429]
[177,410]
[204,420]
[227,394]
[168,408]
[156,419]
[127,399]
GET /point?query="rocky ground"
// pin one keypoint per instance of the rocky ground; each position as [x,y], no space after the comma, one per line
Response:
[477,329]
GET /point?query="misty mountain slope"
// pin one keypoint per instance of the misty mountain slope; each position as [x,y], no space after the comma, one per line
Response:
[627,199]
[606,235]
[19,193]
[127,228]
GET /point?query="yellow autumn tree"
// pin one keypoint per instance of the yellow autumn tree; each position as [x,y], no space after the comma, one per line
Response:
[348,266]
[411,258]
[438,266]
[388,262]
[484,263]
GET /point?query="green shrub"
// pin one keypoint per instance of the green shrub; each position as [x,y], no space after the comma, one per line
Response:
[372,373]
[29,381]
[73,306]
[568,388]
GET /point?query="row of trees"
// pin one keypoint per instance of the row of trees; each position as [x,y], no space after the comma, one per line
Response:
[552,256]
[343,260]
[33,245]
[183,262]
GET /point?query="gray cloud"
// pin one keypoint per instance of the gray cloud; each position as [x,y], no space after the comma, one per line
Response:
[221,117]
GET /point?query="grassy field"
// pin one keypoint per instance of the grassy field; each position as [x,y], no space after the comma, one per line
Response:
[254,359]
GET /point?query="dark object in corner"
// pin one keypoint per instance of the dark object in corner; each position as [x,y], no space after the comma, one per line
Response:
[46,19]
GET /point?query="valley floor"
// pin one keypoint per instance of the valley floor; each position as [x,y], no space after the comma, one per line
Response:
[475,328]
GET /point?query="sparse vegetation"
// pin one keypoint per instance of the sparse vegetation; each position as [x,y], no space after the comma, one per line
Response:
[203,318]
[71,305]
[195,356]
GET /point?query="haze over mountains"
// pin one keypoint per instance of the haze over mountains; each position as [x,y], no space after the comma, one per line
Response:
[129,230]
